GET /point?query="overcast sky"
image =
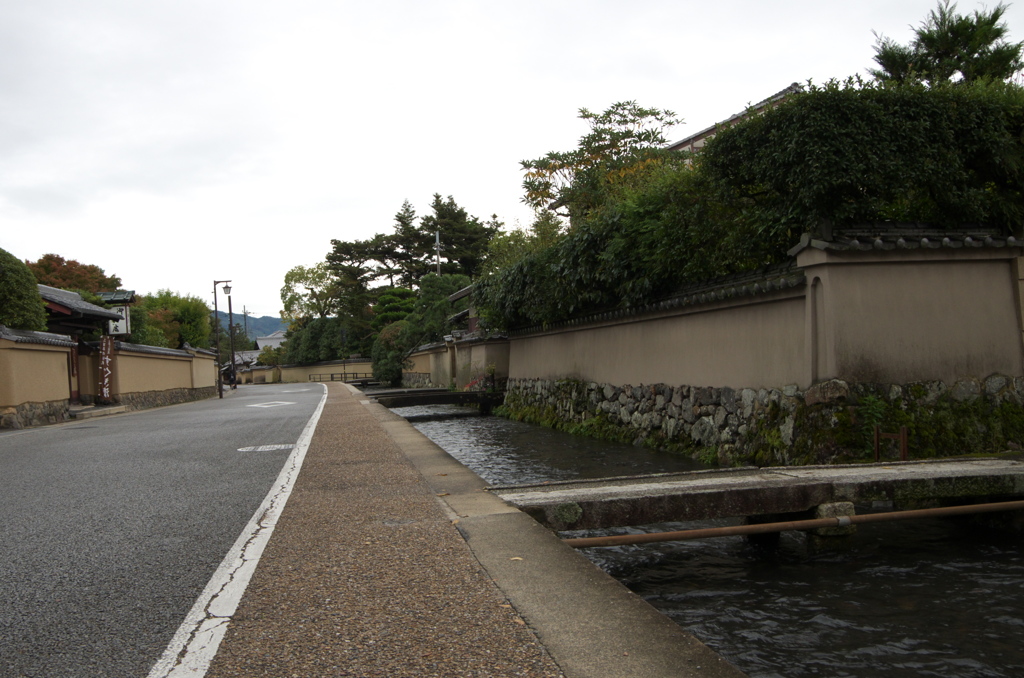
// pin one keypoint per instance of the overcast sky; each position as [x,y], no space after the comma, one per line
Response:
[174,142]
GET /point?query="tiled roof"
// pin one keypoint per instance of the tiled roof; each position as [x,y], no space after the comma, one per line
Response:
[464,292]
[887,236]
[74,301]
[244,357]
[117,296]
[795,88]
[273,340]
[142,348]
[30,337]
[761,281]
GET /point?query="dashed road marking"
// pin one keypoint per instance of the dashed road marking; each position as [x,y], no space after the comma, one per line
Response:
[276,403]
[265,448]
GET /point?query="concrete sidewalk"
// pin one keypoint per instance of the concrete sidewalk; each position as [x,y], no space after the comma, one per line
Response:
[390,559]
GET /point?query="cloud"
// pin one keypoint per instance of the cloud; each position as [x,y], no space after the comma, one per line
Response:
[109,96]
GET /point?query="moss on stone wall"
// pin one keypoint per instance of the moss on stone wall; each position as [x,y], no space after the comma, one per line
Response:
[832,422]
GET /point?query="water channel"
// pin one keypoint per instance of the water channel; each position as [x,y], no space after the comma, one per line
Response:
[920,598]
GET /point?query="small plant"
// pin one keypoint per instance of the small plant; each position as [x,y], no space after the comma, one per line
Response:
[871,413]
[708,456]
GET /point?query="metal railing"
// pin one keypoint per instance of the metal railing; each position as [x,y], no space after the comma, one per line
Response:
[341,376]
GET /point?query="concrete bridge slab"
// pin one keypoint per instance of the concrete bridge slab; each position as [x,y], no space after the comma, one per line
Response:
[762,491]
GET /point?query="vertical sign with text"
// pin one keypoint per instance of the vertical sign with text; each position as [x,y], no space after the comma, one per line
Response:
[106,368]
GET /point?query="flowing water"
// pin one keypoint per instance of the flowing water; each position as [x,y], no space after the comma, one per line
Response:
[916,598]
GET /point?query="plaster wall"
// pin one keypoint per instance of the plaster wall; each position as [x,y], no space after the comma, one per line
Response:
[33,373]
[924,316]
[474,358]
[297,373]
[140,372]
[204,371]
[441,367]
[419,363]
[748,343]
[265,375]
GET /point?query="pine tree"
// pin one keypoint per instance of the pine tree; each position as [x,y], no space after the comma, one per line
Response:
[951,47]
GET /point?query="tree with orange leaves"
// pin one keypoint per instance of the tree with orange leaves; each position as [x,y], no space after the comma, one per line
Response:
[69,274]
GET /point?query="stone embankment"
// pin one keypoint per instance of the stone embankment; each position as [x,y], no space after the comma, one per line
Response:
[418,380]
[146,399]
[34,414]
[829,421]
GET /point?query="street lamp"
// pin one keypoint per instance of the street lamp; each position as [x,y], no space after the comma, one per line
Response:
[231,337]
[216,317]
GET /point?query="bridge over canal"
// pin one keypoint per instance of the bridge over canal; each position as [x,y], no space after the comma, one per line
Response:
[421,396]
[762,492]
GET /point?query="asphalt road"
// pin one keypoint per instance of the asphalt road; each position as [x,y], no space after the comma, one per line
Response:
[111,527]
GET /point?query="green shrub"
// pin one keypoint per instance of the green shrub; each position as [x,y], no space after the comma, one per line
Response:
[21,307]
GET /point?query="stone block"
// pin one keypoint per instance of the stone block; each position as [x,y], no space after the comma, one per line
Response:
[995,383]
[786,431]
[727,398]
[720,415]
[835,510]
[705,432]
[748,397]
[829,392]
[965,390]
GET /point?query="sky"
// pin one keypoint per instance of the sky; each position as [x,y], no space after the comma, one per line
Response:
[178,142]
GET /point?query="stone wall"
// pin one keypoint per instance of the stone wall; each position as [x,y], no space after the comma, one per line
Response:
[830,422]
[417,380]
[34,414]
[147,399]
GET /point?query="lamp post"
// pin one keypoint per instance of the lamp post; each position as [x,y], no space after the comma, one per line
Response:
[231,335]
[216,317]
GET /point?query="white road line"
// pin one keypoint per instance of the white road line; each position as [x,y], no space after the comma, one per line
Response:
[195,643]
[265,448]
[276,403]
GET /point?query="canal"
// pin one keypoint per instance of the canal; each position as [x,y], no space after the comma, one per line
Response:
[921,598]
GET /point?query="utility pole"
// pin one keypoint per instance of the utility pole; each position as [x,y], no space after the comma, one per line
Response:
[437,248]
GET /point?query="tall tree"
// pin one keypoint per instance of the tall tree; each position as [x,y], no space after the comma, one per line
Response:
[463,237]
[428,321]
[623,141]
[413,246]
[951,47]
[181,319]
[392,305]
[509,247]
[21,307]
[69,274]
[309,292]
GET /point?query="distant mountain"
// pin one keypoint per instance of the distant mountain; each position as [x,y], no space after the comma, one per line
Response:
[258,327]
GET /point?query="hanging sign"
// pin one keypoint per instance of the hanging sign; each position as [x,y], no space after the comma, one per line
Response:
[122,326]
